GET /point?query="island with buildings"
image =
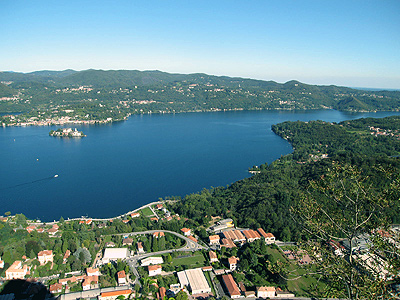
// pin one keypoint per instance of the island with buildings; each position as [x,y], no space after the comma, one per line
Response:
[67,132]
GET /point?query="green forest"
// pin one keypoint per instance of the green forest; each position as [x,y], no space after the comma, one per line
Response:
[264,200]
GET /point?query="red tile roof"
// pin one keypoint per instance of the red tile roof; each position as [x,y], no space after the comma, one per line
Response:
[45,252]
[231,285]
[116,293]
[228,243]
[121,274]
[192,238]
[154,267]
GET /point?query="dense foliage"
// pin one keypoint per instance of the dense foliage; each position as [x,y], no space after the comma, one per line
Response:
[264,199]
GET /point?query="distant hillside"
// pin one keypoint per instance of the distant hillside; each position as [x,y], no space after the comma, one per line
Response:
[50,74]
[6,91]
[168,92]
[351,103]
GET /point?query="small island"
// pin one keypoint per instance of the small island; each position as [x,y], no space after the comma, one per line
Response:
[66,132]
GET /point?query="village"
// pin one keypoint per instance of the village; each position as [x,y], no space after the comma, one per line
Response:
[211,276]
[163,264]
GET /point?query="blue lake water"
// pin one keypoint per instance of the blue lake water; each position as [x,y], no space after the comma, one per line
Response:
[121,166]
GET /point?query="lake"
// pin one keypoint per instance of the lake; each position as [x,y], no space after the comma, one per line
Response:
[121,166]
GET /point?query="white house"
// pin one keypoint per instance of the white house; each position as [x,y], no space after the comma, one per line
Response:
[154,270]
[45,256]
[233,263]
[265,292]
[121,278]
[17,271]
[186,231]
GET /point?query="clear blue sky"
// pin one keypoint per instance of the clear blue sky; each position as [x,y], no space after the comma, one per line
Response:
[350,43]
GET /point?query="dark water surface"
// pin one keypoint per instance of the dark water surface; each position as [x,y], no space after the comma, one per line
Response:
[121,166]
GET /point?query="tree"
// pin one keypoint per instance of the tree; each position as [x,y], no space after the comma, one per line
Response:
[182,296]
[20,219]
[343,206]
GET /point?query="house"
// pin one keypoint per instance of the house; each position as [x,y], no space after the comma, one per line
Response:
[228,243]
[154,260]
[232,261]
[251,235]
[213,256]
[125,221]
[231,286]
[127,242]
[52,231]
[90,282]
[158,234]
[154,270]
[140,247]
[159,206]
[40,230]
[66,255]
[45,256]
[283,294]
[56,288]
[265,291]
[17,271]
[121,276]
[1,263]
[213,239]
[135,215]
[110,244]
[155,219]
[186,231]
[30,228]
[268,237]
[93,272]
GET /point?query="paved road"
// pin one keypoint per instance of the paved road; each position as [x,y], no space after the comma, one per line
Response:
[190,245]
[133,260]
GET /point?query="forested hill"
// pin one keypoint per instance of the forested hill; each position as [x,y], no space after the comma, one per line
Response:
[98,92]
[264,200]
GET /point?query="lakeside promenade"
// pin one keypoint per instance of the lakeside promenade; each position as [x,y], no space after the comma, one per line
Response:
[149,205]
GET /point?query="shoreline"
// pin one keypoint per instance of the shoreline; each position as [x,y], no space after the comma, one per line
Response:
[102,219]
[110,120]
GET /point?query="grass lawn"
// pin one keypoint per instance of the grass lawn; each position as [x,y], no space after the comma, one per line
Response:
[303,285]
[197,260]
[208,277]
[146,212]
